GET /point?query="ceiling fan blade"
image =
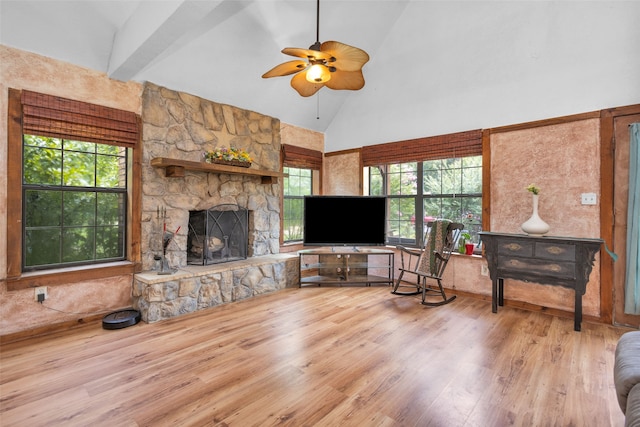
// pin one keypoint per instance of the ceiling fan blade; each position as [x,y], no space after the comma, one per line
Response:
[348,58]
[286,68]
[306,53]
[345,80]
[305,88]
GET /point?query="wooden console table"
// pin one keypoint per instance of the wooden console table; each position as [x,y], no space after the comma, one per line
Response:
[549,260]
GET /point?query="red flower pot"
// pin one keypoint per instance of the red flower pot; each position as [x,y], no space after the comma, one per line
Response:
[469,248]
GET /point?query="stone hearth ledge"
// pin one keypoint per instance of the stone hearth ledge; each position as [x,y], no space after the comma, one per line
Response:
[193,288]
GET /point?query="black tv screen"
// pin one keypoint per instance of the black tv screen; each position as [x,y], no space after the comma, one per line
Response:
[344,220]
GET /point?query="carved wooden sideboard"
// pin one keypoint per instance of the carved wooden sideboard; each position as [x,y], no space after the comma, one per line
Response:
[549,260]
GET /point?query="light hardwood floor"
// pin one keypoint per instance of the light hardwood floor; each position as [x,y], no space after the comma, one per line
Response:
[319,357]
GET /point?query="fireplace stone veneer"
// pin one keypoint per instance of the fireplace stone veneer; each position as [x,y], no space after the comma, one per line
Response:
[181,127]
[194,288]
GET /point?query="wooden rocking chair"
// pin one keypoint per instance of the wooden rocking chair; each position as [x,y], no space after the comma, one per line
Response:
[430,261]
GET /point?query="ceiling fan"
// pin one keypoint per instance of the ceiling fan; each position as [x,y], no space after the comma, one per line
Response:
[332,64]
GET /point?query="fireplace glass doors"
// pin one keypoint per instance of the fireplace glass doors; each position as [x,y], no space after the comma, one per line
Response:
[217,235]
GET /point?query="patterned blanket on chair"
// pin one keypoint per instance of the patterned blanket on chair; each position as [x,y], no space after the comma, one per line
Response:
[435,240]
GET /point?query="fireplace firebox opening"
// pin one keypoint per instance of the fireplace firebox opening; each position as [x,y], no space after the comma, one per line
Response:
[217,235]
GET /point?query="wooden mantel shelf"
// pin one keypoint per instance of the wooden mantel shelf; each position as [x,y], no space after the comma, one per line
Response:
[174,168]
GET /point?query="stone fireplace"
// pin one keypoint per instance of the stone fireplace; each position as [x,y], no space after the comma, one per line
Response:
[182,127]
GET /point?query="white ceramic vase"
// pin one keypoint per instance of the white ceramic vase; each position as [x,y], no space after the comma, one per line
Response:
[535,226]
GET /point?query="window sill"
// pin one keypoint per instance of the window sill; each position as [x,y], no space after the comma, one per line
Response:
[291,247]
[70,275]
[478,256]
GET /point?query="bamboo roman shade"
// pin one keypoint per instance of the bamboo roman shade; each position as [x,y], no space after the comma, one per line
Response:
[461,144]
[301,157]
[52,116]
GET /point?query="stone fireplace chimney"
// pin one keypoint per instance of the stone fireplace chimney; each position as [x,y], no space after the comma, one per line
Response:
[180,126]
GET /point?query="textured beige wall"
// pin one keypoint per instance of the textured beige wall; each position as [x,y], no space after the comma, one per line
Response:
[23,70]
[564,161]
[342,174]
[301,137]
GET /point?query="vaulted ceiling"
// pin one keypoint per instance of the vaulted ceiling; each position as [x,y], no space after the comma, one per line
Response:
[436,66]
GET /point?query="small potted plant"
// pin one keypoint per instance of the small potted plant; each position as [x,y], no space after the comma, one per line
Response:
[469,246]
[464,244]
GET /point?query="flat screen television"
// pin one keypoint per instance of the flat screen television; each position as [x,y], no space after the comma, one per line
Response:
[344,221]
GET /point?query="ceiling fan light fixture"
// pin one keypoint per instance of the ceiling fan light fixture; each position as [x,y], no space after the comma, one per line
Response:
[335,65]
[318,73]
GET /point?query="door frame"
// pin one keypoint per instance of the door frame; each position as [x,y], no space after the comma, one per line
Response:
[607,171]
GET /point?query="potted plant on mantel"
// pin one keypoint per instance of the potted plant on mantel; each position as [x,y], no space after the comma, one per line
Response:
[228,156]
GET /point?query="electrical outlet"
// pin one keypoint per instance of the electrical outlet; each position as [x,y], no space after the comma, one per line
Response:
[588,198]
[484,270]
[41,290]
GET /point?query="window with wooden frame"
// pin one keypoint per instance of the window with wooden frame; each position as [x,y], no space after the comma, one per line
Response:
[425,179]
[302,167]
[74,190]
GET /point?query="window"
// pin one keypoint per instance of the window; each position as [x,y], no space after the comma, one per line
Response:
[425,179]
[75,185]
[419,192]
[298,184]
[75,202]
[303,167]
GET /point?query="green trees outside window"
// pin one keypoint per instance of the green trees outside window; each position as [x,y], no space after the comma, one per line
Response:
[297,185]
[418,192]
[75,202]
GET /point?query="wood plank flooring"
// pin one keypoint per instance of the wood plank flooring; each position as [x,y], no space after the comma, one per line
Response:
[319,357]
